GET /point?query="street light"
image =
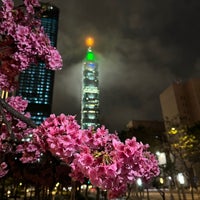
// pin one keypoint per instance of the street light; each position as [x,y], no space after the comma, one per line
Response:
[181,178]
[139,182]
[161,158]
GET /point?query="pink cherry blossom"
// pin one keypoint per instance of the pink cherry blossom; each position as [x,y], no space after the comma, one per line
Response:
[111,164]
[61,135]
[30,152]
[3,169]
[97,155]
[23,41]
[21,132]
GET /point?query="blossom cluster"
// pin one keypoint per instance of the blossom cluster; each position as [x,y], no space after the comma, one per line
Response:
[15,136]
[3,169]
[23,42]
[99,156]
[111,164]
[59,135]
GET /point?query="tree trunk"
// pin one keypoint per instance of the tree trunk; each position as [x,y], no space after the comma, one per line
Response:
[73,191]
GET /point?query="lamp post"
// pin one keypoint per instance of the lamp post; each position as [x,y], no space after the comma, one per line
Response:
[181,180]
[162,161]
[140,186]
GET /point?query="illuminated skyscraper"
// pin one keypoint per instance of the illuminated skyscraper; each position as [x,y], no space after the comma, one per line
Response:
[36,83]
[90,90]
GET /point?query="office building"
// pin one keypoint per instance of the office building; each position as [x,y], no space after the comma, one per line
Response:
[180,103]
[36,83]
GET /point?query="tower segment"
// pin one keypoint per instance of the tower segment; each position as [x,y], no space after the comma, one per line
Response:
[90,90]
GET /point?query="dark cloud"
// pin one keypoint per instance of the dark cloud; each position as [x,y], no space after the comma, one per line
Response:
[142,47]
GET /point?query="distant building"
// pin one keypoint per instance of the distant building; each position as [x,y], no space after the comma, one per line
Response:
[90,92]
[180,103]
[36,83]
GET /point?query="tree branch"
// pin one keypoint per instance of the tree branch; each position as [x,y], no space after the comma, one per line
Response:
[16,114]
[6,123]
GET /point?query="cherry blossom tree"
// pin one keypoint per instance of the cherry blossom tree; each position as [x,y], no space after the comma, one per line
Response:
[98,155]
[23,41]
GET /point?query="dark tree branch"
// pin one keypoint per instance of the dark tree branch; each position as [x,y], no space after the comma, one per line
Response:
[16,114]
[6,123]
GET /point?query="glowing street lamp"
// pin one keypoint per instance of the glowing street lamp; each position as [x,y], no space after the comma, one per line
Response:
[139,182]
[161,158]
[181,178]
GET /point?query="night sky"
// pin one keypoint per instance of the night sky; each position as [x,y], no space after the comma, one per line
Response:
[142,47]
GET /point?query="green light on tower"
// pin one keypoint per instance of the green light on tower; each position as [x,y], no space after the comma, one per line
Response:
[90,55]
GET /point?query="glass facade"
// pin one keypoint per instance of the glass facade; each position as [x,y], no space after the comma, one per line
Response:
[90,92]
[36,83]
